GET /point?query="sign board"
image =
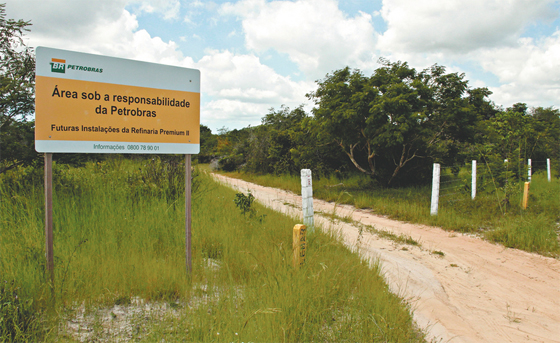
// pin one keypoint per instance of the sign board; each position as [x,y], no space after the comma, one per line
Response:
[88,103]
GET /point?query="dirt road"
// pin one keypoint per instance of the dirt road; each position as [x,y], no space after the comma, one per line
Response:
[462,289]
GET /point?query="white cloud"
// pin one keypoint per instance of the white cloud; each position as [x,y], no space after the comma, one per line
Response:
[118,37]
[315,34]
[233,114]
[169,9]
[458,26]
[64,19]
[529,72]
[107,29]
[227,74]
[242,89]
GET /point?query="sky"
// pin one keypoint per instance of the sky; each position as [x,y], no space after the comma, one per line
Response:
[257,55]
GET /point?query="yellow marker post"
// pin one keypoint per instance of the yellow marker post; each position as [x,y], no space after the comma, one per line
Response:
[526,195]
[299,244]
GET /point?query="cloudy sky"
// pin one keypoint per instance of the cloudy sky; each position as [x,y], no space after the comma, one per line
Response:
[257,54]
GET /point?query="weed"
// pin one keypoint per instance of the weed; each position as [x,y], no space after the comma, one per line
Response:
[401,239]
[123,300]
[18,318]
[136,250]
[244,203]
[511,316]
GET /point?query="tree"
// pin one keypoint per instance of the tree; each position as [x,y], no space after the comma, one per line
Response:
[17,79]
[208,143]
[398,118]
[344,100]
[547,128]
[518,134]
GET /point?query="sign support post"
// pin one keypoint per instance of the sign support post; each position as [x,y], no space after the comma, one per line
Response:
[49,252]
[188,213]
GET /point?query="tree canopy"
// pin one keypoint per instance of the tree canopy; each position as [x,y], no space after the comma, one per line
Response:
[398,116]
[17,80]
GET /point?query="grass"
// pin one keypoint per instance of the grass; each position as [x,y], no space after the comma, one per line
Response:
[495,214]
[120,265]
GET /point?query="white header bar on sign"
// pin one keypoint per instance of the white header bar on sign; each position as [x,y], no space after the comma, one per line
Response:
[72,65]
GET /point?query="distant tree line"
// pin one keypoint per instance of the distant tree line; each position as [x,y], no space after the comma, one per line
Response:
[392,125]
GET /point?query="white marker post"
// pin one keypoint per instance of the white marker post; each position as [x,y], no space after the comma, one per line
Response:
[435,190]
[548,169]
[529,170]
[473,183]
[307,199]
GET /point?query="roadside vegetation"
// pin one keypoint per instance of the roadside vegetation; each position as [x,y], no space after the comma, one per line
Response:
[120,265]
[496,214]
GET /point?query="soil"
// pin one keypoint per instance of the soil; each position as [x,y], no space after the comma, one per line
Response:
[460,287]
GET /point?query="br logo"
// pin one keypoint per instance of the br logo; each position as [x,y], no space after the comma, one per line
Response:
[58,66]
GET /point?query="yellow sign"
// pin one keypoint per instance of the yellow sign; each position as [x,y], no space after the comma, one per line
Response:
[77,112]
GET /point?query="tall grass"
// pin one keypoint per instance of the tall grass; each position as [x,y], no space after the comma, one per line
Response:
[496,212]
[119,235]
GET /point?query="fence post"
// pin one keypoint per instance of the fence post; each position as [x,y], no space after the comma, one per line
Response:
[473,183]
[529,170]
[526,195]
[299,245]
[435,190]
[307,199]
[548,169]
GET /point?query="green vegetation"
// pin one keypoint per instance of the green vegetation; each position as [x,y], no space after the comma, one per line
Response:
[496,213]
[119,242]
[391,126]
[17,79]
[118,223]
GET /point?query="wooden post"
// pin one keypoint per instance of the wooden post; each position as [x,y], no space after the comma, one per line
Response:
[473,182]
[435,190]
[188,251]
[49,253]
[526,195]
[299,245]
[548,169]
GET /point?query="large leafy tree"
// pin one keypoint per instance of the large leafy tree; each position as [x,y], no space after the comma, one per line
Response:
[17,78]
[398,118]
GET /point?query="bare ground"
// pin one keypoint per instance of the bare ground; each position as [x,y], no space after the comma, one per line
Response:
[462,288]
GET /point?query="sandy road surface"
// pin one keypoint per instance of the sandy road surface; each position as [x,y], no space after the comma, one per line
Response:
[476,292]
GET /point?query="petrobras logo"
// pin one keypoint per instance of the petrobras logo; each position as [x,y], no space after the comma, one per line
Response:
[58,66]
